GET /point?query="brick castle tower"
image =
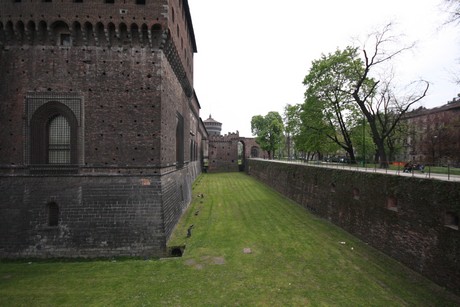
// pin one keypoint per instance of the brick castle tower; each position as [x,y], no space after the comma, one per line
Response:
[100,137]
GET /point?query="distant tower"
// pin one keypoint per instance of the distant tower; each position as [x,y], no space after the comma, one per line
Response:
[212,126]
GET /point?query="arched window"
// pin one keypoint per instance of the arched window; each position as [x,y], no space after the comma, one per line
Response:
[156,33]
[89,33]
[31,32]
[124,35]
[112,34]
[2,34]
[42,32]
[59,140]
[53,214]
[135,34]
[77,34]
[145,34]
[100,34]
[53,135]
[61,34]
[20,30]
[9,31]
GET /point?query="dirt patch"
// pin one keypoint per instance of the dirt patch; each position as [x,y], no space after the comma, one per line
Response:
[219,260]
[204,261]
[190,262]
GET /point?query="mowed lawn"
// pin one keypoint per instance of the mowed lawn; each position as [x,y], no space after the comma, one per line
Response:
[249,246]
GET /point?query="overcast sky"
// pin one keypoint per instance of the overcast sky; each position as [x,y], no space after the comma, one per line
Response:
[254,54]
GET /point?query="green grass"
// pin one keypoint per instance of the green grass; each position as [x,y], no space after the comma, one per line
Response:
[296,260]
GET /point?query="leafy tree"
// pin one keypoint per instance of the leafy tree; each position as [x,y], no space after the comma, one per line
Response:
[312,137]
[329,83]
[342,84]
[268,130]
[292,125]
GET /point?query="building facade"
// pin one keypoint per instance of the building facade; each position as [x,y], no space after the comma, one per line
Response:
[100,137]
[433,136]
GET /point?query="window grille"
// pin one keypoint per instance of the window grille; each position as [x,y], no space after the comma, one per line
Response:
[53,132]
[59,141]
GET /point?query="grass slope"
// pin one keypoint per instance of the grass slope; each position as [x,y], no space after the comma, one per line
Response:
[296,259]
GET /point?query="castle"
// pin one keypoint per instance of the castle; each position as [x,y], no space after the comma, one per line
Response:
[228,153]
[100,137]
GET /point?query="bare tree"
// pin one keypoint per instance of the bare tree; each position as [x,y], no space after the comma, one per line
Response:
[453,7]
[453,10]
[377,99]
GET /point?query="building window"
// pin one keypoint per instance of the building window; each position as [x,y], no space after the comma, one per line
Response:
[53,214]
[392,203]
[142,2]
[109,1]
[356,193]
[59,141]
[179,140]
[65,39]
[53,135]
[451,220]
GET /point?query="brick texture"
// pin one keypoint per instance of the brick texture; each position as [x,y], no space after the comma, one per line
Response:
[125,70]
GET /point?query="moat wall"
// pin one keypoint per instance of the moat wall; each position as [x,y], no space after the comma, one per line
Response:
[413,220]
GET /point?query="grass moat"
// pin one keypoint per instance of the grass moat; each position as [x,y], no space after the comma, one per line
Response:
[239,243]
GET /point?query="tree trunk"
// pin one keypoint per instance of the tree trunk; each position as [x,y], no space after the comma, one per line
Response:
[381,152]
[352,156]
